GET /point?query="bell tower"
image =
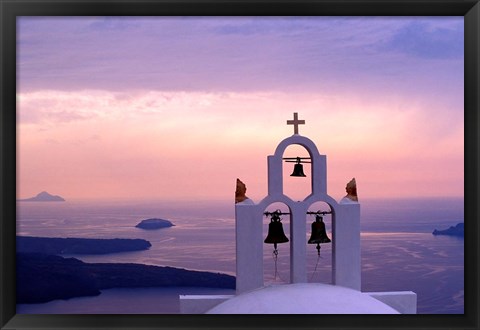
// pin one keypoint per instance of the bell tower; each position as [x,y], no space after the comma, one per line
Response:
[345,293]
[345,223]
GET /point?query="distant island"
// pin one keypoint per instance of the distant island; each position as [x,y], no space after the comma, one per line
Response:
[59,246]
[154,224]
[43,197]
[458,230]
[42,278]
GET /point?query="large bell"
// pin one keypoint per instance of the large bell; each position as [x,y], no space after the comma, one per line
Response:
[298,170]
[275,232]
[319,234]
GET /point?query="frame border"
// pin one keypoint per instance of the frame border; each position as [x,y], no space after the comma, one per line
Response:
[10,9]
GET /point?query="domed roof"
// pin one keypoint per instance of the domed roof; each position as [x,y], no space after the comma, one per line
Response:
[303,298]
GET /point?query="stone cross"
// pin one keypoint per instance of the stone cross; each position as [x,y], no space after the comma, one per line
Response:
[295,122]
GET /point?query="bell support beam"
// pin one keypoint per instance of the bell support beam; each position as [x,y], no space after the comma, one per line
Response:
[319,175]
[275,178]
[298,245]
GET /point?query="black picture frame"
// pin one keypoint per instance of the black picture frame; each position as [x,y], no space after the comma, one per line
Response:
[10,9]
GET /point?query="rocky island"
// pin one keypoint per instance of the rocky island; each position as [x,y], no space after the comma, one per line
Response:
[44,197]
[458,230]
[154,224]
[59,246]
[42,278]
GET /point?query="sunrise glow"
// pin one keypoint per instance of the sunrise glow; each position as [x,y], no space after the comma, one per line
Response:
[178,108]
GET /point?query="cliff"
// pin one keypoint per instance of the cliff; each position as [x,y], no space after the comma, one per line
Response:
[458,230]
[42,278]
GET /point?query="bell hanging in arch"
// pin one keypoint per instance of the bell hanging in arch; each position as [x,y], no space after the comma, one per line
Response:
[298,170]
[275,233]
[319,234]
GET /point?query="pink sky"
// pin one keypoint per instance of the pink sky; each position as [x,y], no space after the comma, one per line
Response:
[172,108]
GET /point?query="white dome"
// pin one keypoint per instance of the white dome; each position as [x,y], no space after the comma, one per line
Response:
[303,298]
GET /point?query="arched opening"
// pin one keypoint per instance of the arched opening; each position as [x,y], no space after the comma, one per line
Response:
[319,262]
[296,187]
[276,265]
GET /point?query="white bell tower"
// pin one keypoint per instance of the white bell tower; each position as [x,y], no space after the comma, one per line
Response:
[345,224]
[298,296]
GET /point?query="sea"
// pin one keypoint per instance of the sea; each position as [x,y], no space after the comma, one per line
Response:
[399,252]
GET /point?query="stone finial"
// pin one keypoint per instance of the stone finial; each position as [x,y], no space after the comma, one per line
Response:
[351,189]
[240,192]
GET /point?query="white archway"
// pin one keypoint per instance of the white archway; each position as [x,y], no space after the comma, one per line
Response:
[345,225]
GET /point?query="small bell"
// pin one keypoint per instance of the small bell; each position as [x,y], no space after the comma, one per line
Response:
[275,231]
[298,170]
[319,234]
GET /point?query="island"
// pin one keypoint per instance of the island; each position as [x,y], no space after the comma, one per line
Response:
[43,197]
[42,278]
[154,224]
[62,246]
[457,230]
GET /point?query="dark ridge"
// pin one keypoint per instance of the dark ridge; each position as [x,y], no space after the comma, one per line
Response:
[458,230]
[42,278]
[59,246]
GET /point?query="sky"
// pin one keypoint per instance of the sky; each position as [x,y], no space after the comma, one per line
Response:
[177,108]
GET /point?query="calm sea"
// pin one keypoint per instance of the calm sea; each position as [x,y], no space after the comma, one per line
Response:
[399,253]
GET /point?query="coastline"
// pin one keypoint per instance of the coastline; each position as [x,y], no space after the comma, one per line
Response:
[70,245]
[42,278]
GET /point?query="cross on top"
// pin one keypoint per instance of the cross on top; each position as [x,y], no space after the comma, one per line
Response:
[295,122]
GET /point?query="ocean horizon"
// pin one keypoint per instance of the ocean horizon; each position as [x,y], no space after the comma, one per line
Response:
[399,252]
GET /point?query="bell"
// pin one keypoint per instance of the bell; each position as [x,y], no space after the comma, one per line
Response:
[298,170]
[275,232]
[319,234]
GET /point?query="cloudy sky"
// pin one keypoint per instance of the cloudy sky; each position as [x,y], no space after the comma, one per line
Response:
[179,107]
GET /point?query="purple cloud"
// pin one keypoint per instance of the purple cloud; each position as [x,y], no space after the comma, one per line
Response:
[241,54]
